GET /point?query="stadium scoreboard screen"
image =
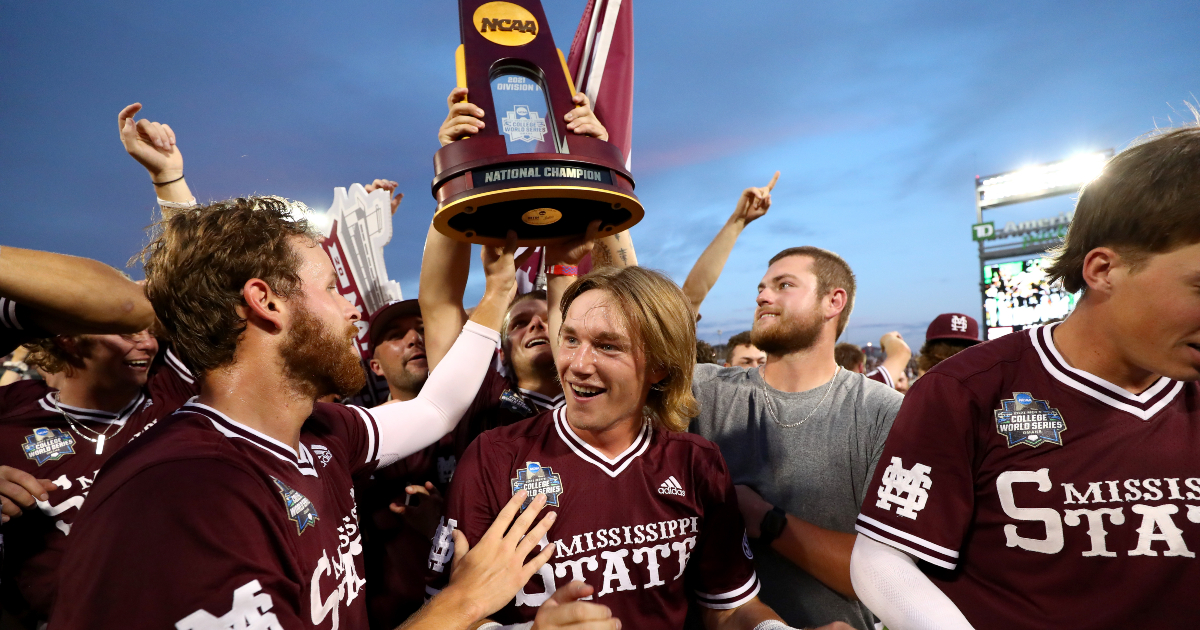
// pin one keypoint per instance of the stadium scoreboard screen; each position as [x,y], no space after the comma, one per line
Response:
[1018,295]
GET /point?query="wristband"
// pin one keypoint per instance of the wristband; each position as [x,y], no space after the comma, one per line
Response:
[180,178]
[20,367]
[562,270]
[177,205]
[772,525]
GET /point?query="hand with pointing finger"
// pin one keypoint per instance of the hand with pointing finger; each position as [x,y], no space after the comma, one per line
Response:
[754,202]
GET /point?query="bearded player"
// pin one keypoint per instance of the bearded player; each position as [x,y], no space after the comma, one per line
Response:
[647,514]
[1051,478]
[239,508]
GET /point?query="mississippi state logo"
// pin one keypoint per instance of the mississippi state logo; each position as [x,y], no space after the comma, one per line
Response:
[1023,419]
[521,124]
[536,480]
[48,445]
[299,509]
[323,454]
[906,488]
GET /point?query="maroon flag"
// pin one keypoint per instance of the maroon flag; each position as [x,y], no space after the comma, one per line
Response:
[601,65]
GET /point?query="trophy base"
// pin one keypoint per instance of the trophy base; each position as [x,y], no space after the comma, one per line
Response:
[544,197]
[540,215]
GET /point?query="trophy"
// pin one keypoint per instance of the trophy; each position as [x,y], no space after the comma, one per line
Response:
[524,171]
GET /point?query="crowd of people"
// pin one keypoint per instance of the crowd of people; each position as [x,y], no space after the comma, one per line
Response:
[573,457]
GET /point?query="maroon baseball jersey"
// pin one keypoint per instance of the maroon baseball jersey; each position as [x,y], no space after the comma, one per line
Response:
[206,523]
[36,438]
[882,375]
[396,553]
[17,326]
[647,529]
[1048,497]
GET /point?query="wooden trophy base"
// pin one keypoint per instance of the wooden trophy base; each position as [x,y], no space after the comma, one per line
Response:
[544,197]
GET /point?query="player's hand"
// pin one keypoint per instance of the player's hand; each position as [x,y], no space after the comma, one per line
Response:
[151,144]
[564,610]
[754,202]
[571,251]
[424,509]
[463,120]
[20,489]
[500,268]
[489,576]
[892,342]
[390,186]
[582,120]
[753,509]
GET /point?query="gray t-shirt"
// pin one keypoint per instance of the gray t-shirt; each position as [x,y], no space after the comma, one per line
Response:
[817,471]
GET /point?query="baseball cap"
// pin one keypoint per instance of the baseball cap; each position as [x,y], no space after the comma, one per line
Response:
[953,326]
[386,313]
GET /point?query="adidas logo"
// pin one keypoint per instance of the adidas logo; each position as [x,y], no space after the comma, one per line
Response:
[671,486]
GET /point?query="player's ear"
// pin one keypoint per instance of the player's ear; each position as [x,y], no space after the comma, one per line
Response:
[835,303]
[262,305]
[1098,269]
[376,368]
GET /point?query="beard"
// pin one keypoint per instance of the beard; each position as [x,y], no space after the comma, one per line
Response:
[405,379]
[319,361]
[788,334]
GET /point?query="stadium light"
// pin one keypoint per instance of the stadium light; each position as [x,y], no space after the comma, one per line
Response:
[1043,180]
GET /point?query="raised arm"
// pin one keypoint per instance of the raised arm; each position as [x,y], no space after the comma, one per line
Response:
[71,295]
[153,145]
[753,204]
[897,354]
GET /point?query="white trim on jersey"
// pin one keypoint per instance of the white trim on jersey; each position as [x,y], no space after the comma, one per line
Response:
[730,599]
[178,366]
[8,314]
[887,376]
[544,402]
[95,415]
[372,433]
[233,429]
[588,453]
[1143,405]
[934,554]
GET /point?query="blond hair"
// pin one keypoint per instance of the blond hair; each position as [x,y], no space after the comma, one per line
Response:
[662,318]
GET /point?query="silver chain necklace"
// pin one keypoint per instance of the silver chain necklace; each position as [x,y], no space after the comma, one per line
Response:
[77,424]
[771,402]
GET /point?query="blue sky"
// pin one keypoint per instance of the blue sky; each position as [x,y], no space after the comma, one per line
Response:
[878,114]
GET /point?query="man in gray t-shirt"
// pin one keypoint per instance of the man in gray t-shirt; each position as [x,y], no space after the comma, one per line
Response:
[802,436]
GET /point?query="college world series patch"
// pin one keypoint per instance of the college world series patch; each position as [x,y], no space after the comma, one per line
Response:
[537,479]
[299,508]
[48,445]
[1023,419]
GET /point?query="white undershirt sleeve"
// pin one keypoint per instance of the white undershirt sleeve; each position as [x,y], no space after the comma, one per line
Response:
[409,426]
[889,582]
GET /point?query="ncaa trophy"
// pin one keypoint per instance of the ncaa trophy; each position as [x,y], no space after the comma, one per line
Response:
[524,171]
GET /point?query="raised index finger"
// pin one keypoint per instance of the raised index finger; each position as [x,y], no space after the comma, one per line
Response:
[773,180]
[128,112]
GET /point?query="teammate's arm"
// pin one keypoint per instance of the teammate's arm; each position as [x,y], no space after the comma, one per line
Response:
[822,553]
[73,296]
[152,144]
[753,204]
[568,253]
[889,582]
[898,353]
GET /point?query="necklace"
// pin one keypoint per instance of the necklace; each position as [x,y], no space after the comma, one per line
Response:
[77,424]
[771,403]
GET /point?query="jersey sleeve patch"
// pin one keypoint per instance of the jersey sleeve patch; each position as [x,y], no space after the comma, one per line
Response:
[730,599]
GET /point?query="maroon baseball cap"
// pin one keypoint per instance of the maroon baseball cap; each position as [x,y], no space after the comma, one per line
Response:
[953,326]
[386,313]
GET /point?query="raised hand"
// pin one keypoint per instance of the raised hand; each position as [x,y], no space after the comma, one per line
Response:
[151,144]
[390,186]
[464,119]
[490,574]
[20,489]
[754,202]
[582,120]
[571,251]
[565,610]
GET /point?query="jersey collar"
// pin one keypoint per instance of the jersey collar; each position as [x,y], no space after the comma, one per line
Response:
[230,428]
[542,401]
[1144,405]
[612,467]
[95,415]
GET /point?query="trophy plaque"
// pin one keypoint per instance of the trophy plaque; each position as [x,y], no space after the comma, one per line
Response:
[524,171]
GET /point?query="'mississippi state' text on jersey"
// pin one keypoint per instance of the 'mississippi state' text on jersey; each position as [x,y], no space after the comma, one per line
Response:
[1049,497]
[648,529]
